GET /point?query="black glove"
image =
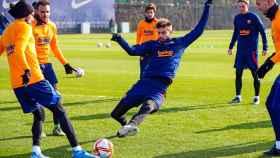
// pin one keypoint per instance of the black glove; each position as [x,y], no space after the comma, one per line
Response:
[26,77]
[208,2]
[68,69]
[267,66]
[115,37]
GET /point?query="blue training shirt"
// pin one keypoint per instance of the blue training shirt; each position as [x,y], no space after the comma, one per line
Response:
[246,32]
[165,56]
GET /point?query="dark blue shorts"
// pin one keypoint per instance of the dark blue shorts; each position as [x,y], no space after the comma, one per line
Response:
[246,60]
[144,90]
[273,99]
[36,95]
[49,73]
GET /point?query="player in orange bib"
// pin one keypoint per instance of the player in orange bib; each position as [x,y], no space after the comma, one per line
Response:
[146,31]
[45,34]
[29,85]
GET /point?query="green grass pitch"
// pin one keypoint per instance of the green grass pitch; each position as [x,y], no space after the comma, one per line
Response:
[194,122]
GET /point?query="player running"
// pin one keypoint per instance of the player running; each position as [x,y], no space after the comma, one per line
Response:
[29,85]
[165,55]
[247,27]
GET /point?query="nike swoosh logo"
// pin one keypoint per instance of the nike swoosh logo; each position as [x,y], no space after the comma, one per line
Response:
[76,5]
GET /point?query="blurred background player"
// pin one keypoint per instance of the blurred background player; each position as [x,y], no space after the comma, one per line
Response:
[29,85]
[146,31]
[3,22]
[165,55]
[247,27]
[45,34]
[270,8]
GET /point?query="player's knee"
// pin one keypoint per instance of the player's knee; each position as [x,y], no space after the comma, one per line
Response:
[150,106]
[38,115]
[58,110]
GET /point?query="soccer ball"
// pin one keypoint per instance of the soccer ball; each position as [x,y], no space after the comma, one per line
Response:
[108,45]
[99,45]
[80,72]
[103,148]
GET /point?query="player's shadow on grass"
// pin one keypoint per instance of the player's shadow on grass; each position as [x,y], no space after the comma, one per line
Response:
[249,125]
[57,152]
[232,150]
[78,103]
[14,138]
[161,111]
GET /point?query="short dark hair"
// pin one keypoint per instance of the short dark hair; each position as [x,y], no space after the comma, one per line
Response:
[42,3]
[163,23]
[151,6]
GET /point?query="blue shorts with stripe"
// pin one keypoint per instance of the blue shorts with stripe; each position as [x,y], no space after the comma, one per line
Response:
[36,95]
[246,60]
[146,89]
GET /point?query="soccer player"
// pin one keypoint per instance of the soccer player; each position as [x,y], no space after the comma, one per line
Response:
[165,55]
[270,8]
[29,85]
[146,31]
[247,27]
[45,34]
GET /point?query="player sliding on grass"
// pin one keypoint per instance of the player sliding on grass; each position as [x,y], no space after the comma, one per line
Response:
[165,55]
[146,31]
[29,85]
[45,34]
[247,27]
[270,8]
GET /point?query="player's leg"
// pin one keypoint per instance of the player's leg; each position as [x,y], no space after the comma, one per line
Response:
[257,85]
[120,110]
[50,76]
[273,107]
[46,95]
[43,114]
[238,86]
[38,118]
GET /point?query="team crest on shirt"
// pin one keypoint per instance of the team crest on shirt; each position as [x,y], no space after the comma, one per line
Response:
[165,53]
[249,21]
[10,49]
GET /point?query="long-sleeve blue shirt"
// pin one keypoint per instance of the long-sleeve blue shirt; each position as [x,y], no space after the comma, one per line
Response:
[165,56]
[246,32]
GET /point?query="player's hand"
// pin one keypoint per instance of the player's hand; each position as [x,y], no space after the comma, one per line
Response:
[115,37]
[26,77]
[208,2]
[68,69]
[267,66]
[264,53]
[229,51]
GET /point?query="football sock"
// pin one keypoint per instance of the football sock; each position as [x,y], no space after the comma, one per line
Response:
[119,112]
[65,124]
[37,126]
[238,81]
[277,144]
[77,148]
[36,149]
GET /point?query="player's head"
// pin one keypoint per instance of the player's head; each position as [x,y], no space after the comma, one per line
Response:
[43,10]
[243,6]
[164,28]
[264,5]
[150,11]
[22,10]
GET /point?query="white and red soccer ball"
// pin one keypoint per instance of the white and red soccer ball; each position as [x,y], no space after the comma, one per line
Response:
[103,148]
